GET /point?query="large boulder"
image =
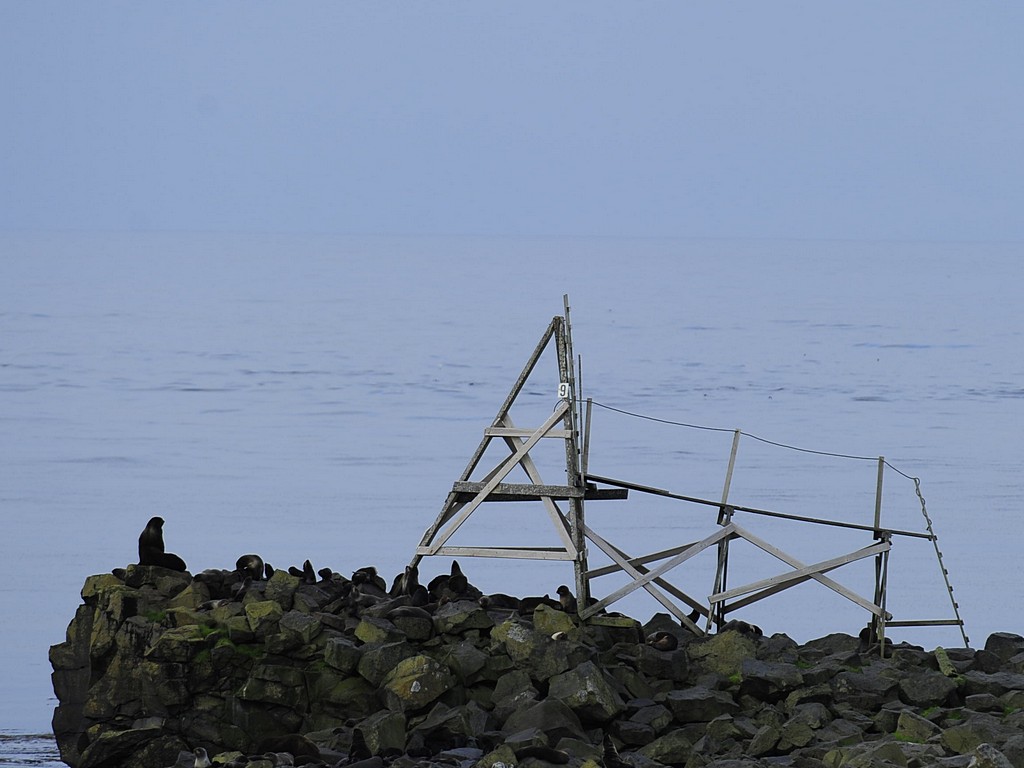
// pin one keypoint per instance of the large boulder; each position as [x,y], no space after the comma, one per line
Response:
[588,692]
[416,682]
[699,704]
[723,653]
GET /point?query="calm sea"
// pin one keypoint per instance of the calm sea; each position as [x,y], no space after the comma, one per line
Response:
[315,397]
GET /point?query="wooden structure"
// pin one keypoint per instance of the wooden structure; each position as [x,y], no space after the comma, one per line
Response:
[468,495]
[648,572]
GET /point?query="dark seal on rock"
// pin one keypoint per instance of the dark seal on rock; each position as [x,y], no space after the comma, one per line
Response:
[663,641]
[251,566]
[151,547]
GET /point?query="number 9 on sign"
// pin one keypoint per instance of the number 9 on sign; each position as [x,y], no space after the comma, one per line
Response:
[563,390]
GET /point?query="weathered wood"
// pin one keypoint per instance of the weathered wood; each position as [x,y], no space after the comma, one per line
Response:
[520,490]
[621,560]
[522,432]
[775,584]
[642,560]
[792,561]
[563,344]
[926,623]
[515,553]
[634,585]
[502,470]
[529,492]
[557,518]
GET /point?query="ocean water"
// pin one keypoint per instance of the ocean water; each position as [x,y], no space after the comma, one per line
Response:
[315,397]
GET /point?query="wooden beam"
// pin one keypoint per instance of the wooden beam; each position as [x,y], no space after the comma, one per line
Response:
[800,574]
[642,560]
[465,491]
[694,549]
[926,623]
[521,490]
[521,432]
[528,465]
[501,472]
[515,553]
[792,561]
[620,558]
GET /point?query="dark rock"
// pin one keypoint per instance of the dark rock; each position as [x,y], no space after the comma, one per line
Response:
[377,661]
[375,630]
[997,683]
[1004,645]
[987,756]
[722,654]
[415,682]
[155,661]
[383,731]
[979,729]
[914,728]
[867,690]
[461,616]
[769,681]
[342,654]
[276,684]
[550,715]
[632,733]
[653,715]
[699,705]
[588,692]
[663,665]
[465,660]
[983,702]
[926,688]
[675,747]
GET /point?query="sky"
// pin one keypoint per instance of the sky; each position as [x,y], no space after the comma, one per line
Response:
[870,120]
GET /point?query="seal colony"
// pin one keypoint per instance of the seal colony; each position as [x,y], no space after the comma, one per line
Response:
[253,666]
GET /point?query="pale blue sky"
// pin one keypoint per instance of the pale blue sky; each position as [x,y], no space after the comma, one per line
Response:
[870,120]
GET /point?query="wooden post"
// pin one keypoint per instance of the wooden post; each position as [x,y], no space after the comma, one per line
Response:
[586,437]
[881,560]
[574,479]
[724,518]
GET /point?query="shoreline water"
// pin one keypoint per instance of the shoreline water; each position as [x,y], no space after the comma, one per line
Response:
[31,750]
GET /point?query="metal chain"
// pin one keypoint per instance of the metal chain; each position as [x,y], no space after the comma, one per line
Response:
[942,566]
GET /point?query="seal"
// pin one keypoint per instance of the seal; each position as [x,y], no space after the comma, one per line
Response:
[406,582]
[367,575]
[529,604]
[251,566]
[499,601]
[202,759]
[738,625]
[565,597]
[151,541]
[663,641]
[151,547]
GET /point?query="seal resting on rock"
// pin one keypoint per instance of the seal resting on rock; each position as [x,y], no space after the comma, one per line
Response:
[663,641]
[251,566]
[566,598]
[151,547]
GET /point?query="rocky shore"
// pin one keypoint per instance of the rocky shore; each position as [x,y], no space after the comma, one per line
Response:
[160,668]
